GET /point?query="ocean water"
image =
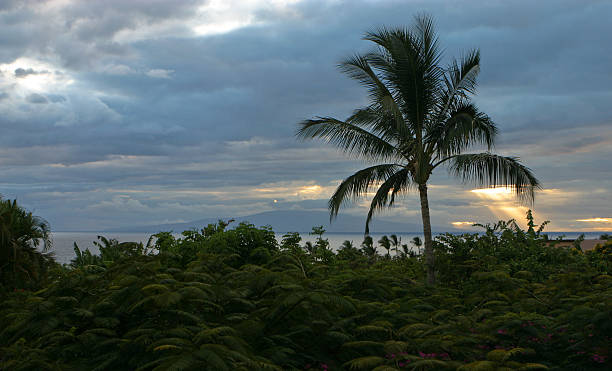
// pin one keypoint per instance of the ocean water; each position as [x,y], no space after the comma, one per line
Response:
[63,242]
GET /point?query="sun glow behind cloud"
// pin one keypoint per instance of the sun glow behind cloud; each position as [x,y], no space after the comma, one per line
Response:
[497,193]
[28,75]
[293,191]
[310,190]
[275,193]
[501,202]
[222,16]
[462,224]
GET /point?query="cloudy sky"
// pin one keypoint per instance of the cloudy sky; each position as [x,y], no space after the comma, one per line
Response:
[116,113]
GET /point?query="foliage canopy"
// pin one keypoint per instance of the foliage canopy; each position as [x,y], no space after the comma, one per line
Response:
[233,299]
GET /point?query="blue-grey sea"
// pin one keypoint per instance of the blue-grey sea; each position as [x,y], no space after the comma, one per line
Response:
[63,242]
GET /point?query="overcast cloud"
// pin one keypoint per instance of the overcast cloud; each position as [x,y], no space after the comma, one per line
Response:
[119,113]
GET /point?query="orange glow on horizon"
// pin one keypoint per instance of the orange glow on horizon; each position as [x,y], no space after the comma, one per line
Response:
[463,224]
[595,220]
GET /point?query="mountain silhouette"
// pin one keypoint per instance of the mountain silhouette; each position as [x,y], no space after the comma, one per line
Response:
[301,221]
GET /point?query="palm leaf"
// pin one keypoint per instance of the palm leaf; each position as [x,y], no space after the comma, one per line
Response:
[487,169]
[359,183]
[394,184]
[358,67]
[348,137]
[459,80]
[364,363]
[465,127]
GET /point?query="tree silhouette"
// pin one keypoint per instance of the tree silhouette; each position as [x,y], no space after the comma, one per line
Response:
[420,117]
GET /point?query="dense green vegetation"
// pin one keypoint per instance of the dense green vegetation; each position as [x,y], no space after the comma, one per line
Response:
[420,117]
[22,264]
[235,299]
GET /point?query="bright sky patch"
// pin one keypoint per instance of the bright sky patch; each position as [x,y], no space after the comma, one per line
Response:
[595,220]
[462,224]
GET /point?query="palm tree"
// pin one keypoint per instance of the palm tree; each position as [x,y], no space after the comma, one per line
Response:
[386,243]
[420,117]
[309,247]
[396,243]
[406,251]
[416,241]
[347,245]
[367,247]
[21,233]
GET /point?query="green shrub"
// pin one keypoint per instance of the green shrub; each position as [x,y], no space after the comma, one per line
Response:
[231,299]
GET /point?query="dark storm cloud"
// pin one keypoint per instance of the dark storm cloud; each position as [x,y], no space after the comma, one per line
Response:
[136,99]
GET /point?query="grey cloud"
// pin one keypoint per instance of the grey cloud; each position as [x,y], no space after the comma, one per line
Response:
[7,5]
[576,150]
[584,143]
[159,73]
[81,33]
[448,202]
[228,114]
[37,98]
[56,98]
[20,72]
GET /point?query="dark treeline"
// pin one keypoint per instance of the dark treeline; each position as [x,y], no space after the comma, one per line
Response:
[234,299]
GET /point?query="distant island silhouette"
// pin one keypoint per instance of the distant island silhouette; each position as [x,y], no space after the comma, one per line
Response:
[297,221]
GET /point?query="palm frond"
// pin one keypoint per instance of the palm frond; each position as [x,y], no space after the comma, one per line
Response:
[408,61]
[384,123]
[460,78]
[358,68]
[357,184]
[465,127]
[348,137]
[385,195]
[487,169]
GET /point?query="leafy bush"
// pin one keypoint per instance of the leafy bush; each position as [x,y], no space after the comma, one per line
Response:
[222,299]
[22,264]
[504,246]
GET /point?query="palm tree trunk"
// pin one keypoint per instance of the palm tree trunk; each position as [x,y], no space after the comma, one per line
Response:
[429,254]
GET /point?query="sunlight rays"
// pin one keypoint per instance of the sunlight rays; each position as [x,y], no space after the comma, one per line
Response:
[501,203]
[497,193]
